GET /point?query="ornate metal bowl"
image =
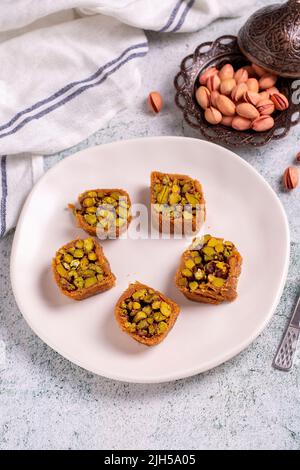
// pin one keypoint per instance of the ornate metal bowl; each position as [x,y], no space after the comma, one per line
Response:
[226,50]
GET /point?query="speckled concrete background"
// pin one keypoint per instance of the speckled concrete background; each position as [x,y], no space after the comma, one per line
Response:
[46,402]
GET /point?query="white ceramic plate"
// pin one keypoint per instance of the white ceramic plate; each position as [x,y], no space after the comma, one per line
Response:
[241,207]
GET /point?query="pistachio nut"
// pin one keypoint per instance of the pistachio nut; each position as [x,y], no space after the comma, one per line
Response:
[280,101]
[213,98]
[267,81]
[209,72]
[253,85]
[263,123]
[252,98]
[213,116]
[226,72]
[227,86]
[241,76]
[155,101]
[227,121]
[239,91]
[291,178]
[213,83]
[226,106]
[247,111]
[240,123]
[203,97]
[265,107]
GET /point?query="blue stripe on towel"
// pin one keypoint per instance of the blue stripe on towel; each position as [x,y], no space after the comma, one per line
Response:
[3,195]
[66,88]
[71,96]
[183,16]
[172,16]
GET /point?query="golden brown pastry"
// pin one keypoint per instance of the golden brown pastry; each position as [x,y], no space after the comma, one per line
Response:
[145,314]
[209,271]
[103,212]
[177,203]
[81,270]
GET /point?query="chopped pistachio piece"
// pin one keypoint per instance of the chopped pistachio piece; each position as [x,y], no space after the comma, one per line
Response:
[68,258]
[92,194]
[192,199]
[158,316]
[139,316]
[189,264]
[219,248]
[165,309]
[90,281]
[193,286]
[156,305]
[79,282]
[162,197]
[209,251]
[91,219]
[174,199]
[78,253]
[187,273]
[162,327]
[136,305]
[88,202]
[61,270]
[88,245]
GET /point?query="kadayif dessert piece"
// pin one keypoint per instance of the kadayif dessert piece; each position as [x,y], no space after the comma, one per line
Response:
[103,212]
[146,314]
[209,271]
[177,203]
[81,270]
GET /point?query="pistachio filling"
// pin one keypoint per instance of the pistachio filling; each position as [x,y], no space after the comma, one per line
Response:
[78,266]
[145,313]
[175,197]
[108,209]
[206,264]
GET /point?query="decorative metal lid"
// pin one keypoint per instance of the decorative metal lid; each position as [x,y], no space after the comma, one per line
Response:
[271,38]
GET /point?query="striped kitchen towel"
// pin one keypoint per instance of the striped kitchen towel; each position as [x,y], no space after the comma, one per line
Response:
[67,66]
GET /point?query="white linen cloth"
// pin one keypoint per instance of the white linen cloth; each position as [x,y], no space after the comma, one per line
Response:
[64,64]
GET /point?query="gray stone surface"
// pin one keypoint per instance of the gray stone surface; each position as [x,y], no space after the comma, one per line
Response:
[46,402]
